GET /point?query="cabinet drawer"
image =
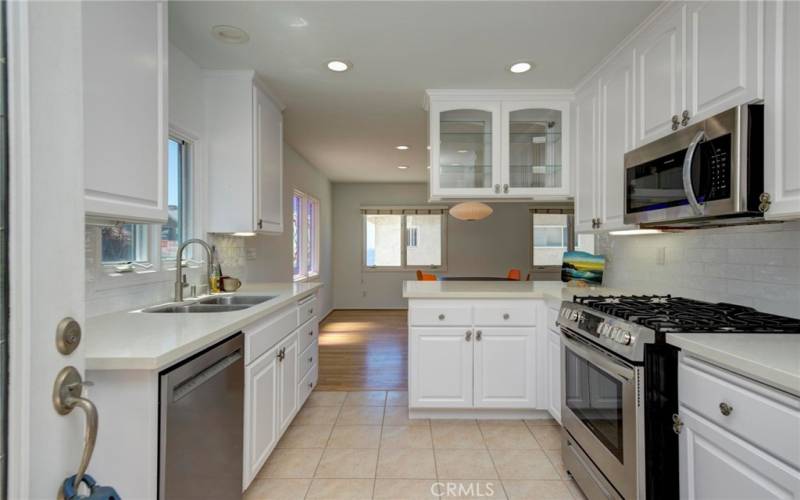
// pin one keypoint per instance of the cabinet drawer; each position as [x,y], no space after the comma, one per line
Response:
[307,308]
[262,335]
[443,315]
[307,359]
[756,412]
[511,315]
[307,384]
[307,333]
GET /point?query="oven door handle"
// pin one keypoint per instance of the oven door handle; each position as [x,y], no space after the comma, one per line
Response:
[602,360]
[687,173]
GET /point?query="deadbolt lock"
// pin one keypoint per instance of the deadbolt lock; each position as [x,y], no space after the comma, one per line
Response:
[68,335]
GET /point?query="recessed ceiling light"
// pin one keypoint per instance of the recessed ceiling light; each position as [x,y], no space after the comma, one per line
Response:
[402,167]
[229,34]
[339,66]
[298,22]
[520,67]
[401,147]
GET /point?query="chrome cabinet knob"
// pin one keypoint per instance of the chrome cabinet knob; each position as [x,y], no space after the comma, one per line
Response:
[675,122]
[468,335]
[497,188]
[685,117]
[441,317]
[506,316]
[505,188]
[725,408]
[311,333]
[478,335]
[764,202]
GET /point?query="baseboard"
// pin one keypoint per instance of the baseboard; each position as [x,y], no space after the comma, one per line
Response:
[479,414]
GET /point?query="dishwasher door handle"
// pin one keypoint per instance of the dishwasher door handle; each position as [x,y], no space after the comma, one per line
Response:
[186,387]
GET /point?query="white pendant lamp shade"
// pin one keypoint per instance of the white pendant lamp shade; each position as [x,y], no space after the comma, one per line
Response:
[471,210]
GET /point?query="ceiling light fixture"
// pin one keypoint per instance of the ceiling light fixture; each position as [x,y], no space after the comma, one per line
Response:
[634,232]
[402,167]
[229,34]
[471,211]
[339,66]
[244,234]
[520,67]
[298,22]
[463,151]
[402,147]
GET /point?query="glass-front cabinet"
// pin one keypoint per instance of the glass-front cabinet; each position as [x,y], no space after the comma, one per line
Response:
[499,148]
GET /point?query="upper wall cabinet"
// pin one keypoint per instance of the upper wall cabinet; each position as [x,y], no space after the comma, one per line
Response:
[587,147]
[499,145]
[125,110]
[695,60]
[782,110]
[245,154]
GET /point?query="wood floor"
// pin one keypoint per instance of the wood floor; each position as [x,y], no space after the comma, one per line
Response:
[363,350]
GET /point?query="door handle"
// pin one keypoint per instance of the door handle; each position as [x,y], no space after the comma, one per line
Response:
[687,173]
[67,391]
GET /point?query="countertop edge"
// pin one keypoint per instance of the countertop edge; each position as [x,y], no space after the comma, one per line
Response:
[165,360]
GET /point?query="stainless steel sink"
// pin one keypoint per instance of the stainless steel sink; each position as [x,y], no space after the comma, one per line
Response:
[197,308]
[249,300]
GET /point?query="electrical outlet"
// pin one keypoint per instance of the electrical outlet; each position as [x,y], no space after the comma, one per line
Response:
[363,293]
[251,253]
[661,255]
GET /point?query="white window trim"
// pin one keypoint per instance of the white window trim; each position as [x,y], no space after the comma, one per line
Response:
[403,267]
[306,275]
[571,241]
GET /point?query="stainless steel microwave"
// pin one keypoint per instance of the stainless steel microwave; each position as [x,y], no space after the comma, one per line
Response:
[709,173]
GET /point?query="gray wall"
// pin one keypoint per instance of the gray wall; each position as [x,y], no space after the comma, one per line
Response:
[487,247]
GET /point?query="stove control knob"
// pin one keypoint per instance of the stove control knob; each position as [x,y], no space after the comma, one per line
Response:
[613,333]
[604,329]
[625,338]
[574,316]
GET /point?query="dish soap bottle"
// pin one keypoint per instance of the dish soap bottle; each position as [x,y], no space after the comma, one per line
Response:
[216,273]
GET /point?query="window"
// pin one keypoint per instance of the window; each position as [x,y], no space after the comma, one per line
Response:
[399,238]
[175,230]
[552,229]
[305,243]
[121,243]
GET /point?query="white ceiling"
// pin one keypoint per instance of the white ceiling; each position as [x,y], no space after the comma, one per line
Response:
[348,124]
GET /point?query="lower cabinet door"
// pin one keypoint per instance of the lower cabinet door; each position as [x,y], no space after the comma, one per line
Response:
[288,382]
[504,367]
[554,374]
[261,412]
[440,370]
[716,464]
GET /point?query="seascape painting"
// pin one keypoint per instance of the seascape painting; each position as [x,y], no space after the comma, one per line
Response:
[583,266]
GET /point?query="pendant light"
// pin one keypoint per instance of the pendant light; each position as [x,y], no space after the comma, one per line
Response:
[471,211]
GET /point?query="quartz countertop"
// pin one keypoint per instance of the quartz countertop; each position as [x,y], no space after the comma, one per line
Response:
[133,340]
[554,290]
[773,359]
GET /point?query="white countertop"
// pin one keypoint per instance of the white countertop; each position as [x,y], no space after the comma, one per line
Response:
[499,290]
[773,359]
[152,341]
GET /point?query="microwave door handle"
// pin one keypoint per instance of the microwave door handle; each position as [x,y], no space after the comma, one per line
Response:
[687,173]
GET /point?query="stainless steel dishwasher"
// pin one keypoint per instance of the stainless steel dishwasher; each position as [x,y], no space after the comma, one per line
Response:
[201,426]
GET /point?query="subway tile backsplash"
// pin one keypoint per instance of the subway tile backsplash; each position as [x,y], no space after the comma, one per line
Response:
[757,266]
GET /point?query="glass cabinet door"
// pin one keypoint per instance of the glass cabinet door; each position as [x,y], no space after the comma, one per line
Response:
[466,151]
[534,150]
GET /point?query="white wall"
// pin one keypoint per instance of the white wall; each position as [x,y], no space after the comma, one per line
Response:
[757,266]
[484,248]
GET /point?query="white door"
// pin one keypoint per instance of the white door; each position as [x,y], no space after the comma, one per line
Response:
[465,149]
[782,117]
[616,138]
[288,382]
[440,372]
[724,47]
[715,464]
[47,265]
[554,374]
[268,144]
[660,82]
[505,367]
[261,411]
[586,154]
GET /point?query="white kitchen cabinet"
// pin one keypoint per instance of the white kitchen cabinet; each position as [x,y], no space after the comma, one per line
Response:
[262,387]
[287,381]
[660,79]
[554,374]
[499,144]
[724,55]
[728,445]
[245,154]
[782,111]
[125,110]
[616,136]
[587,117]
[440,367]
[504,364]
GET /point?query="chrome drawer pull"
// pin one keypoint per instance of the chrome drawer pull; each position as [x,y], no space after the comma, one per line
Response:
[725,409]
[441,317]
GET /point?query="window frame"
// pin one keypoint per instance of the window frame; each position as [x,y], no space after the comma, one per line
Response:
[314,272]
[403,212]
[186,198]
[549,271]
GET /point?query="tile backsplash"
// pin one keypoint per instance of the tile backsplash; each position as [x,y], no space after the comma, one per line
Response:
[757,266]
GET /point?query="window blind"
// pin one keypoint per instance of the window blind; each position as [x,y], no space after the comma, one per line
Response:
[403,210]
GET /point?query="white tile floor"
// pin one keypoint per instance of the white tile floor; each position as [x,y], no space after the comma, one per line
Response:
[362,445]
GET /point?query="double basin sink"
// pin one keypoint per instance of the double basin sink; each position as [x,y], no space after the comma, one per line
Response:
[222,303]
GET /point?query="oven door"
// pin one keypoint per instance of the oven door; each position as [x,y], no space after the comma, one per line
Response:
[599,410]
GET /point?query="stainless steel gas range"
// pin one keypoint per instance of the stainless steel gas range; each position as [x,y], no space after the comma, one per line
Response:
[619,390]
